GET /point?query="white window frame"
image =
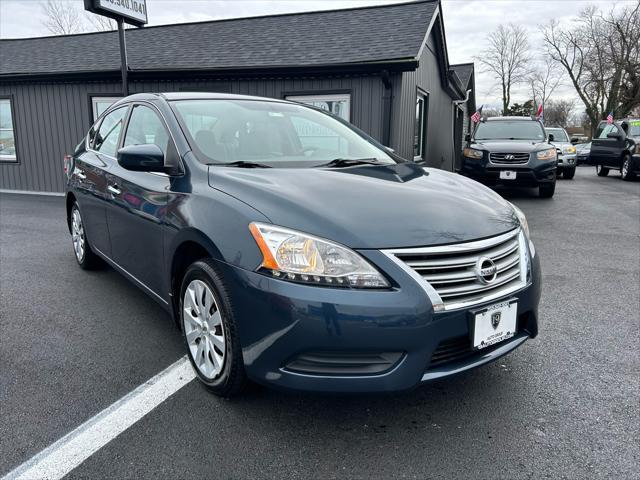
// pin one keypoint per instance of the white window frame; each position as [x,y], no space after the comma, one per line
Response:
[332,97]
[10,158]
[422,127]
[96,99]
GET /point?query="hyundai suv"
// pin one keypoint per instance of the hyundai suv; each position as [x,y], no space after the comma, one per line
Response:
[512,151]
[296,251]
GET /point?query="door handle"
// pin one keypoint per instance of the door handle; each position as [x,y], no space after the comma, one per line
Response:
[114,189]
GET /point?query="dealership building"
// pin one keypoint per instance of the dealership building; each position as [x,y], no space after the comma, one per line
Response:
[384,68]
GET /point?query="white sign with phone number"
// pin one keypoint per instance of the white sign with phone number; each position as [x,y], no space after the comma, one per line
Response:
[134,9]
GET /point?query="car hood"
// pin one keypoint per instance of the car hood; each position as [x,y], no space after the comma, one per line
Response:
[388,206]
[510,145]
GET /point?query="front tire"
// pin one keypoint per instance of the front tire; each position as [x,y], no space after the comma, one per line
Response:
[569,173]
[626,171]
[546,190]
[81,248]
[209,330]
[602,171]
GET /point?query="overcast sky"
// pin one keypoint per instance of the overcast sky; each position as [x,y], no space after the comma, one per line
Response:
[467,23]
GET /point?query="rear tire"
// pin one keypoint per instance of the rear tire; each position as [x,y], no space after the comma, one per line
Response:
[81,248]
[626,171]
[546,190]
[209,330]
[602,171]
[569,173]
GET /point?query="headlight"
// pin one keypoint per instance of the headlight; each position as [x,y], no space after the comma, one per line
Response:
[303,258]
[525,227]
[472,153]
[549,154]
[570,149]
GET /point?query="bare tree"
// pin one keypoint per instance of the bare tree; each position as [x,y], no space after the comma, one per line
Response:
[601,55]
[61,18]
[100,23]
[506,58]
[558,112]
[544,80]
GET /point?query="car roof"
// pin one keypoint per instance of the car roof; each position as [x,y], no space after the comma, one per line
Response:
[171,96]
[493,119]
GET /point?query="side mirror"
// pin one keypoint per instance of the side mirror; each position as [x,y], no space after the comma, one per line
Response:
[614,135]
[551,137]
[142,158]
[574,141]
[467,137]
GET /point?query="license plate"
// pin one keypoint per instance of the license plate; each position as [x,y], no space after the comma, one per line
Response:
[507,175]
[495,324]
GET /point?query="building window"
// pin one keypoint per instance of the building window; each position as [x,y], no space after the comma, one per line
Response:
[420,127]
[7,134]
[100,104]
[338,104]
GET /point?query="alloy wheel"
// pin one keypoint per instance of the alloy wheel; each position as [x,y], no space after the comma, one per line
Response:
[77,234]
[203,329]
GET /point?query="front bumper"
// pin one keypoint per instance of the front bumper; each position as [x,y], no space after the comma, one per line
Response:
[279,321]
[567,160]
[531,174]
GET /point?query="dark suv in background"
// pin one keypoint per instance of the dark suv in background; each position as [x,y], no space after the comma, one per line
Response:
[616,146]
[511,151]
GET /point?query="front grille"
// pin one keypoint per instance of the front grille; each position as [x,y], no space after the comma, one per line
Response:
[451,350]
[509,158]
[453,271]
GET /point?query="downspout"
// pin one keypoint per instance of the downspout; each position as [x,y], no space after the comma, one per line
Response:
[386,108]
[453,131]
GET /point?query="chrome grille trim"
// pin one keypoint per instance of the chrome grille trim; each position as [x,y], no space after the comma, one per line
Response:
[500,157]
[447,272]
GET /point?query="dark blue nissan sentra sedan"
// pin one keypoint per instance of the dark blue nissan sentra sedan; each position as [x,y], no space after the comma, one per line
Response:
[294,250]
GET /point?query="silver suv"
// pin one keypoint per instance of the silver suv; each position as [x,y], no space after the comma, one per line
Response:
[567,156]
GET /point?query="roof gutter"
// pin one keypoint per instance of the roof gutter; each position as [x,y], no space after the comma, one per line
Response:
[371,68]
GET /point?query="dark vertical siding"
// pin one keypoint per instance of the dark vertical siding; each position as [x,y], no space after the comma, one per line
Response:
[440,150]
[51,118]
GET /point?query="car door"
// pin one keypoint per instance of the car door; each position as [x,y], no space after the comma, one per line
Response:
[605,150]
[137,205]
[90,177]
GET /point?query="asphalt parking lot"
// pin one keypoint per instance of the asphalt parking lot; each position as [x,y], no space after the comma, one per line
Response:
[563,406]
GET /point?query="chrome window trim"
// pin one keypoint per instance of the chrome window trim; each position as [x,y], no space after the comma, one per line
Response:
[467,247]
[131,105]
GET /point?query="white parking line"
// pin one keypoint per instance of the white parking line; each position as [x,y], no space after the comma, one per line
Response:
[60,458]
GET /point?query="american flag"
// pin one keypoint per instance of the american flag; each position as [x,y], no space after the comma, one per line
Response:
[475,118]
[610,118]
[540,112]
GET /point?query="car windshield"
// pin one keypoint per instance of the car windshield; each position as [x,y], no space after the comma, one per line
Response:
[509,130]
[559,134]
[273,134]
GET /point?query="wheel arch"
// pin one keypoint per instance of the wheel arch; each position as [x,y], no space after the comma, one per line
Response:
[189,246]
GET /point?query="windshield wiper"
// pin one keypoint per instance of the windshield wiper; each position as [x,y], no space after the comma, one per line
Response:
[242,164]
[348,162]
